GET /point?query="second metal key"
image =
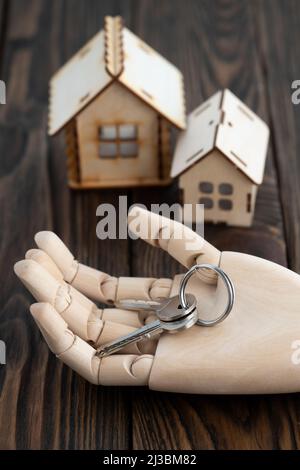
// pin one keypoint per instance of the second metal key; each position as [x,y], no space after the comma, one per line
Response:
[171,317]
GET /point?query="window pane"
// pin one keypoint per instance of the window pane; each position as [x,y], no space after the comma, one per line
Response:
[226,189]
[127,132]
[206,187]
[128,149]
[225,204]
[108,133]
[207,201]
[107,150]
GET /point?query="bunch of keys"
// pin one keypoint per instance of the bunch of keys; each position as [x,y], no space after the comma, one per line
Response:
[173,315]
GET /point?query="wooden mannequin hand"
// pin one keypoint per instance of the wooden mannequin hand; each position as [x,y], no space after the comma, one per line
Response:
[252,351]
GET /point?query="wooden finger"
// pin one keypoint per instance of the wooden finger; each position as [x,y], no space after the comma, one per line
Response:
[82,316]
[179,241]
[44,260]
[125,317]
[81,357]
[93,283]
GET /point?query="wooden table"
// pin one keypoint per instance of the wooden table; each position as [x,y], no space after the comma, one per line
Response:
[250,47]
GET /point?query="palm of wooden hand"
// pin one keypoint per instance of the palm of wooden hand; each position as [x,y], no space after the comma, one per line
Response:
[252,351]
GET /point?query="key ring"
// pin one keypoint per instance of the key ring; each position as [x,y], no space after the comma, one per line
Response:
[228,284]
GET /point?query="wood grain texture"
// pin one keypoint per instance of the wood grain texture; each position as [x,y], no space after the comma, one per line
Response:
[277,32]
[53,407]
[218,44]
[211,58]
[3,25]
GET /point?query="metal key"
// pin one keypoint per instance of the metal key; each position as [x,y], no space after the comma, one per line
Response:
[171,317]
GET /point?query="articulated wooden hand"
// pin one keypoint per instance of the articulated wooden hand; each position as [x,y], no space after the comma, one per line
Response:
[252,351]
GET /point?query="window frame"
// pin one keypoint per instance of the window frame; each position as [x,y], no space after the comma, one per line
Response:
[201,187]
[207,200]
[223,189]
[118,141]
[225,200]
[216,195]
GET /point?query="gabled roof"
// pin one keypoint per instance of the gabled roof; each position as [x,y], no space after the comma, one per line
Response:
[116,54]
[227,124]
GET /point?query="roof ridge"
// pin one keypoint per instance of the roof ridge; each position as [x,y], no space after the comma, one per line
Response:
[210,127]
[115,54]
[114,51]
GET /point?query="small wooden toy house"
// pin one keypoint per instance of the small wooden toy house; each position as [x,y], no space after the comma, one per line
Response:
[116,99]
[220,159]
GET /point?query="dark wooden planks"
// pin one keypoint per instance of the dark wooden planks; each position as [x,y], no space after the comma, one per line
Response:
[107,421]
[45,405]
[25,208]
[214,43]
[277,32]
[3,26]
[277,38]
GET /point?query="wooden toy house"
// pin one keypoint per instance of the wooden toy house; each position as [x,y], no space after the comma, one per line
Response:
[220,159]
[116,99]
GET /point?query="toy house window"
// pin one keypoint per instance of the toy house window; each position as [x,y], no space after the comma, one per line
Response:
[226,189]
[118,141]
[225,204]
[206,187]
[207,201]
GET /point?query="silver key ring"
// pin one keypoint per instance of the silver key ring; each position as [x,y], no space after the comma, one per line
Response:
[228,284]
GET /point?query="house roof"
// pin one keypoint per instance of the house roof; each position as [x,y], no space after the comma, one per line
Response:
[116,54]
[225,123]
